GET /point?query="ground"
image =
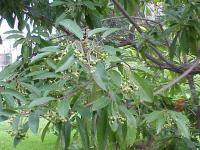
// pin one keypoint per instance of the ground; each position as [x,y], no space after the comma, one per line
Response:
[33,142]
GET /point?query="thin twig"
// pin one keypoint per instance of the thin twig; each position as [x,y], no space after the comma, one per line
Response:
[171,83]
[133,17]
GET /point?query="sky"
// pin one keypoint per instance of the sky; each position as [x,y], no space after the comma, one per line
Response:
[7,45]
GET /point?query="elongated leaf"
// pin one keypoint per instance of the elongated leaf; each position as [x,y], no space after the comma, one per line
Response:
[72,27]
[83,111]
[100,103]
[7,112]
[182,123]
[109,32]
[35,73]
[15,123]
[19,41]
[14,36]
[100,76]
[184,41]
[33,121]
[14,93]
[155,115]
[47,75]
[31,89]
[9,100]
[9,70]
[44,131]
[172,50]
[159,124]
[12,32]
[50,49]
[51,64]
[58,3]
[40,101]
[63,108]
[131,126]
[67,134]
[39,57]
[102,130]
[3,118]
[97,30]
[83,133]
[60,18]
[65,63]
[147,93]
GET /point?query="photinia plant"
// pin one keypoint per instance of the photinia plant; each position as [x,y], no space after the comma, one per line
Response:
[105,87]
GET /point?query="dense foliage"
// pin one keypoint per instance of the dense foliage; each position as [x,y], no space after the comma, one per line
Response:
[104,74]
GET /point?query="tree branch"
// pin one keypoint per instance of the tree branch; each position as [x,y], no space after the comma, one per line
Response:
[124,12]
[171,83]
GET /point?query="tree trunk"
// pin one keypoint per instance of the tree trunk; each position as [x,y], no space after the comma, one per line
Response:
[195,99]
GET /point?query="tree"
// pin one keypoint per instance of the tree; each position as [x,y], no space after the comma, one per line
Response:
[103,74]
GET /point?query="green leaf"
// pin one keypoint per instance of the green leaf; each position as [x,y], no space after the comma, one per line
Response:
[47,75]
[51,64]
[44,131]
[146,90]
[9,100]
[155,115]
[16,141]
[15,123]
[159,124]
[40,101]
[100,76]
[3,118]
[184,42]
[83,111]
[39,57]
[131,126]
[50,49]
[14,93]
[58,3]
[102,130]
[26,52]
[116,77]
[9,70]
[83,133]
[14,36]
[65,63]
[31,88]
[97,30]
[72,27]
[7,112]
[35,73]
[182,123]
[12,32]
[172,49]
[109,32]
[63,108]
[33,121]
[19,41]
[67,134]
[100,103]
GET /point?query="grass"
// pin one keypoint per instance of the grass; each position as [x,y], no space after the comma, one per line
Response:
[33,142]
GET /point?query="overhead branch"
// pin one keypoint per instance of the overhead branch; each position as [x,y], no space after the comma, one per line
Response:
[176,80]
[125,13]
[133,17]
[157,51]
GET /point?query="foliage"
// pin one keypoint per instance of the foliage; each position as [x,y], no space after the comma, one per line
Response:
[96,82]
